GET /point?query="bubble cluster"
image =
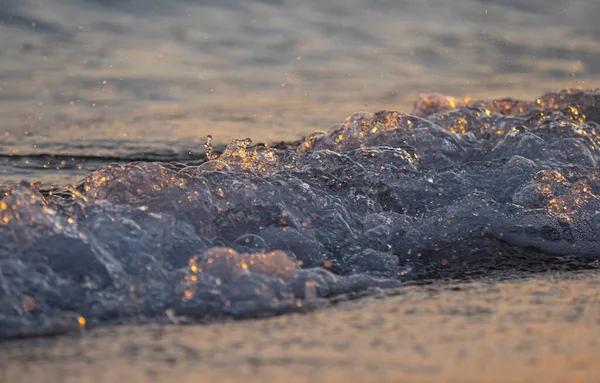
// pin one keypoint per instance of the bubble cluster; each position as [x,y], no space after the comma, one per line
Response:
[458,188]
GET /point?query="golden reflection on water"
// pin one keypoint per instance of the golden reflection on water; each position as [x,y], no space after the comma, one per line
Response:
[104,81]
[147,79]
[228,265]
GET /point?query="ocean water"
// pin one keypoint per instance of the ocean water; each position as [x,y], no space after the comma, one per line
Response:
[117,208]
[133,79]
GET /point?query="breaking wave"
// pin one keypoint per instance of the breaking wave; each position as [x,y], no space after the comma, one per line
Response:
[457,189]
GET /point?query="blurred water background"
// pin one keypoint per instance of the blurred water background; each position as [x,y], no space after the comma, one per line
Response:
[86,82]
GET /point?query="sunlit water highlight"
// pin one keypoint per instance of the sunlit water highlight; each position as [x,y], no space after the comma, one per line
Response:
[456,189]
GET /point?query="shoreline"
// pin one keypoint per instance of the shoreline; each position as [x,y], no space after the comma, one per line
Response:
[539,328]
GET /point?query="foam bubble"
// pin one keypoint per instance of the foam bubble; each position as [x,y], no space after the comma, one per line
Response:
[458,188]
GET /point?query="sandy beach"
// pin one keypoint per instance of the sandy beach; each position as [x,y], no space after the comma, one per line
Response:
[542,328]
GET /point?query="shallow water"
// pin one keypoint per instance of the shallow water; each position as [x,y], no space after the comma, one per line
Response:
[119,98]
[125,78]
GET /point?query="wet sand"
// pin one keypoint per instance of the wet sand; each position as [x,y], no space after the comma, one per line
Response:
[543,328]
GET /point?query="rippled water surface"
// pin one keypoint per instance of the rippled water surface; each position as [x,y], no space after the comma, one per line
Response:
[111,102]
[135,79]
